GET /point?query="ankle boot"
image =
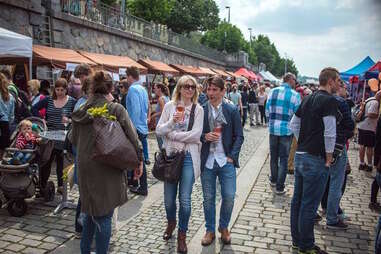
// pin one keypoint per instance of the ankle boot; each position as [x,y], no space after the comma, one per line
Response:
[171,225]
[181,242]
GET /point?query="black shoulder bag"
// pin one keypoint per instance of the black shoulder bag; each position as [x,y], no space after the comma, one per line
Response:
[168,168]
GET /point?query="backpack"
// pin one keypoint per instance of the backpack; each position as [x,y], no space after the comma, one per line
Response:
[358,114]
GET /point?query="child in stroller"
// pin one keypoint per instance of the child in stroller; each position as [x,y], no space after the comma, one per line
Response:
[19,168]
[26,139]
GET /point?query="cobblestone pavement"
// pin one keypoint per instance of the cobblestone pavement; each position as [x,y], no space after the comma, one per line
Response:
[143,234]
[40,231]
[263,224]
[261,227]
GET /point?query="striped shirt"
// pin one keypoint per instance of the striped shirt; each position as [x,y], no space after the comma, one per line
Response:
[54,115]
[281,105]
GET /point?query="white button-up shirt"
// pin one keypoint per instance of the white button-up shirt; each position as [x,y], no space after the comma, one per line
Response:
[216,152]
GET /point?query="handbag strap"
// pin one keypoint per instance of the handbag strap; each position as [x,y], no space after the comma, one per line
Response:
[191,117]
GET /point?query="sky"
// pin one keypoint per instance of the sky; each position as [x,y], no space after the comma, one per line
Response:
[314,33]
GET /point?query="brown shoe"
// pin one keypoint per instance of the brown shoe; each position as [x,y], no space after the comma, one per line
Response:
[225,235]
[208,238]
[181,242]
[171,225]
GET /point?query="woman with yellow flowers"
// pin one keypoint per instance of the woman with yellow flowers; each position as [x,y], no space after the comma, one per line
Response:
[102,188]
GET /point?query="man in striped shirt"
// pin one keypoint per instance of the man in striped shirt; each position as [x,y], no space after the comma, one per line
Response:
[281,105]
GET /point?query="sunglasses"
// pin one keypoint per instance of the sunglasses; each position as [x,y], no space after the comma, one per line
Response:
[189,87]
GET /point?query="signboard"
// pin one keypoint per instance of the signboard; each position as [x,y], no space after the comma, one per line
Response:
[71,66]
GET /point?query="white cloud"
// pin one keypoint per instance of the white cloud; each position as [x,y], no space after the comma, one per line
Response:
[316,34]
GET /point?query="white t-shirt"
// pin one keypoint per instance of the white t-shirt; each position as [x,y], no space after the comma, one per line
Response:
[370,124]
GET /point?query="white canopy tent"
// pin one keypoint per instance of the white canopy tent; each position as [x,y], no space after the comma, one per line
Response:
[14,45]
[273,78]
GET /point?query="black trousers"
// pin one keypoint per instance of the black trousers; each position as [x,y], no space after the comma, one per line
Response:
[262,112]
[45,171]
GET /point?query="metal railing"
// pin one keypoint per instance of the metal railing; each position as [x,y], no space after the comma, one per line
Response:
[112,17]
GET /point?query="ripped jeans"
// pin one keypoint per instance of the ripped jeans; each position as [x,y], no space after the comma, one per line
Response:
[101,226]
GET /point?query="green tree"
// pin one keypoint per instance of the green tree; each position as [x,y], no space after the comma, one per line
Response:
[193,15]
[225,36]
[157,11]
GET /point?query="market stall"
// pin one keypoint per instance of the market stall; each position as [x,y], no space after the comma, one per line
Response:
[16,49]
[114,64]
[187,69]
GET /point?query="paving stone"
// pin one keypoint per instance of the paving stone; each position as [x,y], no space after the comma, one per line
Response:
[11,238]
[15,247]
[3,244]
[30,242]
[48,246]
[30,250]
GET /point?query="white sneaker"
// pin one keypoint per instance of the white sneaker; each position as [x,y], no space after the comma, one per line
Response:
[280,192]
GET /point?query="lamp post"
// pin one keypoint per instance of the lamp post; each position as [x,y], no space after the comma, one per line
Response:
[225,42]
[285,63]
[228,7]
[250,35]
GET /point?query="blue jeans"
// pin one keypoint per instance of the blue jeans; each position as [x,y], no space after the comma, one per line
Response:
[310,179]
[336,174]
[185,186]
[227,178]
[279,151]
[101,226]
[143,139]
[143,178]
[23,157]
[378,237]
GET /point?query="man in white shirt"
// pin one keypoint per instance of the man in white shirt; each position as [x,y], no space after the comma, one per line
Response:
[222,139]
[367,131]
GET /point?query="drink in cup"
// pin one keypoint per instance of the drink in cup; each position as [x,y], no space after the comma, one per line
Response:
[180,108]
[218,129]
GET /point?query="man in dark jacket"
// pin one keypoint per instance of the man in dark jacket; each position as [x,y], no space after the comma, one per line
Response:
[222,139]
[344,131]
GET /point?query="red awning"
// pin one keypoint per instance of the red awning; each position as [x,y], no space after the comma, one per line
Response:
[244,72]
[113,63]
[57,57]
[255,77]
[158,67]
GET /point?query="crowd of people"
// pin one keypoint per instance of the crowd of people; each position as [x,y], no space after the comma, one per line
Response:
[309,134]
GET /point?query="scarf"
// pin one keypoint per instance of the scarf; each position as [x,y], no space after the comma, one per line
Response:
[220,118]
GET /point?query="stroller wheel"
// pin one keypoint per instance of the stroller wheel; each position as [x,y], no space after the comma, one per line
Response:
[49,192]
[17,208]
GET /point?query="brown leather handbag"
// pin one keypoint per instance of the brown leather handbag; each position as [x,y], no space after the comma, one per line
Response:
[112,147]
[168,168]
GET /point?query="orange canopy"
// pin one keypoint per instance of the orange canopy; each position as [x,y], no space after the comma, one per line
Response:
[220,72]
[57,57]
[232,74]
[188,69]
[157,67]
[207,71]
[112,63]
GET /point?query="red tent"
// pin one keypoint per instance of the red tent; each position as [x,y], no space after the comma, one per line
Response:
[247,74]
[376,67]
[253,74]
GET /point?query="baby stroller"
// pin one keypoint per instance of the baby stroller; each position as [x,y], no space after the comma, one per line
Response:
[18,182]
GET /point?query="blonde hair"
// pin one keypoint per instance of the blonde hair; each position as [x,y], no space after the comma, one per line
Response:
[25,122]
[180,83]
[34,85]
